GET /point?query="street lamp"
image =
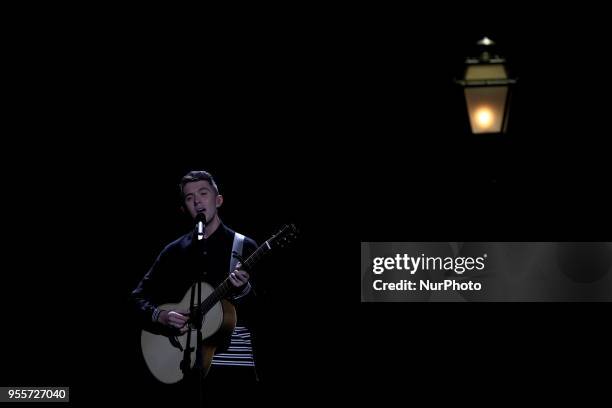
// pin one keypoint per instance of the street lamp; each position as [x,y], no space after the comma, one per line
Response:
[487,90]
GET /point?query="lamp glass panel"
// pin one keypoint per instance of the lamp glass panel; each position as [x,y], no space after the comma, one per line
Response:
[486,107]
[485,71]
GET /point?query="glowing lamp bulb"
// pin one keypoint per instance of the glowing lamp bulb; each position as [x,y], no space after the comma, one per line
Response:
[484,118]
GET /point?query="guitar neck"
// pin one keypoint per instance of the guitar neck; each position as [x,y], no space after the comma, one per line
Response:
[226,287]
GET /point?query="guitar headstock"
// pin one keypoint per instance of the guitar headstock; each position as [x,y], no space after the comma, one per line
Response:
[285,236]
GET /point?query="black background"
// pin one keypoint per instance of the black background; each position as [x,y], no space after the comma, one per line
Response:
[346,123]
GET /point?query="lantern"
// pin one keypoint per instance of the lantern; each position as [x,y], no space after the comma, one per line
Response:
[487,90]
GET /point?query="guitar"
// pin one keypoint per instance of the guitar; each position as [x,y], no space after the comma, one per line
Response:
[163,353]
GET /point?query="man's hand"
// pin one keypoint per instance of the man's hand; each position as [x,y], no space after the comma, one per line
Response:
[174,319]
[239,277]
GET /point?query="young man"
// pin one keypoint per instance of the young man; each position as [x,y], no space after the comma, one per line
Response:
[184,262]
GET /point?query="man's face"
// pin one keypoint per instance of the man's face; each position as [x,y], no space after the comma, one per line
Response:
[200,197]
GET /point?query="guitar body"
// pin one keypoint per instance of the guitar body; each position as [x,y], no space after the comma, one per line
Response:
[163,358]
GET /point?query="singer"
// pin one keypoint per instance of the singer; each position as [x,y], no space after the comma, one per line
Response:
[205,253]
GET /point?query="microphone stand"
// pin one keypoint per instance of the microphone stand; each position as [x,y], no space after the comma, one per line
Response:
[195,318]
[195,314]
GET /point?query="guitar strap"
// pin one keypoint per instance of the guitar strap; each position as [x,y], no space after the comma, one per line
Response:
[236,247]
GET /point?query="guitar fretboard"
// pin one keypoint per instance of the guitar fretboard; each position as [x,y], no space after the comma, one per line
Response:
[226,287]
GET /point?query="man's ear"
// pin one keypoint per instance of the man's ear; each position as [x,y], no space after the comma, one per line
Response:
[219,200]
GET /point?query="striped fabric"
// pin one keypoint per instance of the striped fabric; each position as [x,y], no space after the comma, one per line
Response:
[240,351]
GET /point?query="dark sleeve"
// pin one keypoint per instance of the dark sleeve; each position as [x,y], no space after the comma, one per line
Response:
[144,297]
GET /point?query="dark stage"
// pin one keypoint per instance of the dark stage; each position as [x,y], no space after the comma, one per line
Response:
[352,129]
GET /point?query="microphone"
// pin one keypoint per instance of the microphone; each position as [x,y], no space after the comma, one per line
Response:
[200,224]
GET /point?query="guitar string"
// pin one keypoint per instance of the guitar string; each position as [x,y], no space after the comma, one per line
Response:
[224,288]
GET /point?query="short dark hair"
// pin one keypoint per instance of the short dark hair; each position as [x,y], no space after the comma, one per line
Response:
[198,175]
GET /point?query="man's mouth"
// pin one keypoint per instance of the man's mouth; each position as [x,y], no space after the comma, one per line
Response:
[200,210]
